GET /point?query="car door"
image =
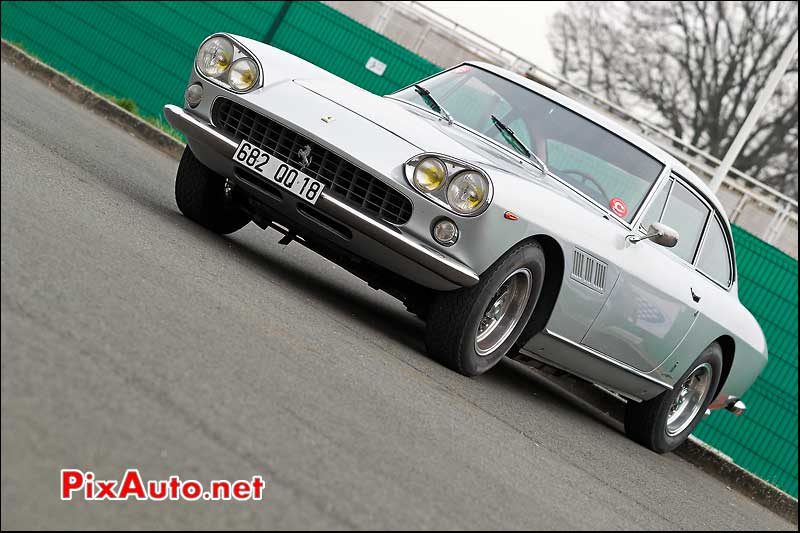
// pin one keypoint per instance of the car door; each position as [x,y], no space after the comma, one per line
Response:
[652,305]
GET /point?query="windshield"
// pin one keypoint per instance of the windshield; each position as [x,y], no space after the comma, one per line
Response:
[601,165]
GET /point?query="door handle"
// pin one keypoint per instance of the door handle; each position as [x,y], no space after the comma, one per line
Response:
[695,296]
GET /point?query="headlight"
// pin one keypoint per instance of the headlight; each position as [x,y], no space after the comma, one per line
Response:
[467,192]
[458,186]
[429,174]
[214,56]
[243,74]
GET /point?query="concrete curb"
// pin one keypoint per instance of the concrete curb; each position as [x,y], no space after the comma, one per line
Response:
[694,451]
[708,459]
[88,98]
[715,463]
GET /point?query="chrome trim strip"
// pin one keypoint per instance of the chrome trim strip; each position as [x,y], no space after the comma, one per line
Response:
[607,359]
[196,129]
[651,194]
[669,182]
[434,261]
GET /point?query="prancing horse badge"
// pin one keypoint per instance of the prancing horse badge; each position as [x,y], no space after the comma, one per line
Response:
[328,118]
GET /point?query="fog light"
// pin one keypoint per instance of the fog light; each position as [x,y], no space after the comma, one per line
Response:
[194,93]
[445,232]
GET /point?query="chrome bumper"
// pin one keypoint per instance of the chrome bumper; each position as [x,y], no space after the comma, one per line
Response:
[736,406]
[434,261]
[729,403]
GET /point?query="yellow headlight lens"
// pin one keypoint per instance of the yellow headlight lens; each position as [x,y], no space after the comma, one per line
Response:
[214,56]
[243,74]
[430,174]
[467,192]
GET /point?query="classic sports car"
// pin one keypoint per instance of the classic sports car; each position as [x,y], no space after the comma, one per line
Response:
[513,220]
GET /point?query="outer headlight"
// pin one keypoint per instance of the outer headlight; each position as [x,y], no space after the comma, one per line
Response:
[214,56]
[467,192]
[430,174]
[243,74]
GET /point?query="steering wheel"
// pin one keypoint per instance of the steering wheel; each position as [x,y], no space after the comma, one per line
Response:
[600,193]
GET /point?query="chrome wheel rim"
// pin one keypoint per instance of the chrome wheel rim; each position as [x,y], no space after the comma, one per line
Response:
[504,311]
[687,404]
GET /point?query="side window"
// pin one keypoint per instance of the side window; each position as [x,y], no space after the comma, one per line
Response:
[686,214]
[714,259]
[656,208]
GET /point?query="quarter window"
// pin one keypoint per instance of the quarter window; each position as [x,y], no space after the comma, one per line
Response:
[686,214]
[656,208]
[714,259]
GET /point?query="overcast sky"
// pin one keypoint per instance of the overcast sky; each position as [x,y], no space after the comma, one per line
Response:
[518,26]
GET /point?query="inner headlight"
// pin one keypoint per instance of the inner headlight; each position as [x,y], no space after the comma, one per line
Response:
[468,192]
[243,74]
[214,56]
[429,174]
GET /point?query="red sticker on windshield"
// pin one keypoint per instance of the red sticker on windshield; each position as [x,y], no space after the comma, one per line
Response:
[618,207]
[463,69]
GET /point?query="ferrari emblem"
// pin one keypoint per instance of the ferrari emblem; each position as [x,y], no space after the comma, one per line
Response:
[328,118]
[304,156]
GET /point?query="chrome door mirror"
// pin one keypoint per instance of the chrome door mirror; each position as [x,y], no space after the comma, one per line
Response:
[658,233]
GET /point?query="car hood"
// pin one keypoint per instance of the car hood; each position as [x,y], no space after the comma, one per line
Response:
[418,127]
[421,129]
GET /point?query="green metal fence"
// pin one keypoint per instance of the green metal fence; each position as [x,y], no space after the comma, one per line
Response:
[764,440]
[337,43]
[144,51]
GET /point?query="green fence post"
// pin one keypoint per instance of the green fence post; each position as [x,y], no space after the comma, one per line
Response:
[273,29]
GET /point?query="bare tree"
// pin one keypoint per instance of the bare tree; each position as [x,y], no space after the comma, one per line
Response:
[695,68]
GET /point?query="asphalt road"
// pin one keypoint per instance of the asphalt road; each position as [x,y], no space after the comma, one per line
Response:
[134,338]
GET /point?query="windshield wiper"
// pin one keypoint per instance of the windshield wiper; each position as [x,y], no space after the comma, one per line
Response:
[512,139]
[431,102]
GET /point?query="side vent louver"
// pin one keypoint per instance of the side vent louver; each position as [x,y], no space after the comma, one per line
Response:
[588,270]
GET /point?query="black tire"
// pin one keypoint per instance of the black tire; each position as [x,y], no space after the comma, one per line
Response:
[646,422]
[200,195]
[454,316]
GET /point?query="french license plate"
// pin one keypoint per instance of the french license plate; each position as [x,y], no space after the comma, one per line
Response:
[278,172]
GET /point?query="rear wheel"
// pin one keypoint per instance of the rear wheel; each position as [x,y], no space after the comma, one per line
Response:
[201,196]
[663,423]
[471,329]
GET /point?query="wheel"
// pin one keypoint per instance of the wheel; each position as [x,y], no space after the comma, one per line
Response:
[664,422]
[201,197]
[469,330]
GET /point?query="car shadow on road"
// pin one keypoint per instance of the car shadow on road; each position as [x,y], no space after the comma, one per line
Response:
[565,391]
[381,317]
[566,394]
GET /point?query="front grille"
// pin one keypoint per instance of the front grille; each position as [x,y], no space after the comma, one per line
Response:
[342,179]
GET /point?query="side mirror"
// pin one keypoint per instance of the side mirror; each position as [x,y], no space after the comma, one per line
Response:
[660,234]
